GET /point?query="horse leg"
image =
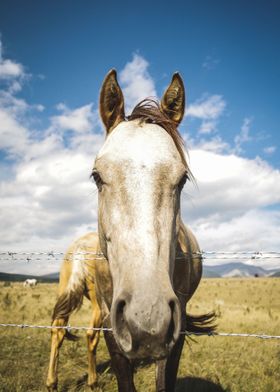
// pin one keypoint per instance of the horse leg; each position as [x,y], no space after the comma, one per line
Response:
[166,369]
[92,340]
[122,367]
[57,336]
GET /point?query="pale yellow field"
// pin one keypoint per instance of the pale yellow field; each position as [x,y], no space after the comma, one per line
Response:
[209,364]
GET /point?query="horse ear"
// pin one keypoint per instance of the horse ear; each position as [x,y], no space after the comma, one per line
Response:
[111,104]
[173,100]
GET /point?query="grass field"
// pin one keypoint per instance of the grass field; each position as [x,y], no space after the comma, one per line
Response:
[210,364]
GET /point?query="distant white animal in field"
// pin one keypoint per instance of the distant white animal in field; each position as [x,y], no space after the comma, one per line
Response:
[30,283]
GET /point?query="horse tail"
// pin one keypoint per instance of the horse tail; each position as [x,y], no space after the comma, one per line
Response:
[71,298]
[203,323]
[67,303]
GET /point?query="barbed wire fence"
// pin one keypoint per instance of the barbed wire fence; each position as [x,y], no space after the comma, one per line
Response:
[203,255]
[76,328]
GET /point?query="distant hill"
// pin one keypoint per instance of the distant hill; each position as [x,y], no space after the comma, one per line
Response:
[54,276]
[228,270]
[275,275]
[21,278]
[209,273]
[231,270]
[238,269]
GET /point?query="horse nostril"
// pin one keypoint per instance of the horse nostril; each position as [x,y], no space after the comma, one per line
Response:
[172,305]
[171,327]
[119,315]
[120,310]
[120,307]
[120,326]
[174,325]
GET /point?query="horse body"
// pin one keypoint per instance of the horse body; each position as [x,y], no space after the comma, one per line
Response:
[77,279]
[30,283]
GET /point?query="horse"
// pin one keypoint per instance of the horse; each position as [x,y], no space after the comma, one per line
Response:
[76,280]
[152,263]
[153,259]
[30,283]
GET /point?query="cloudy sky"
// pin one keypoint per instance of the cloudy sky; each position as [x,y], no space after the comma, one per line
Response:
[53,58]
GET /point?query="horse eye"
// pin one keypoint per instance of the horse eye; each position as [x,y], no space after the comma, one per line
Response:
[97,179]
[183,181]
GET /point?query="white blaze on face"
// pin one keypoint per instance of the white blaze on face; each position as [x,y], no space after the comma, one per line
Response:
[140,166]
[142,143]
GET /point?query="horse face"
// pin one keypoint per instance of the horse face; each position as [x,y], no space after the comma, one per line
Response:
[139,173]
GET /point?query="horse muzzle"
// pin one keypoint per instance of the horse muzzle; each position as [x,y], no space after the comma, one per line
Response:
[146,327]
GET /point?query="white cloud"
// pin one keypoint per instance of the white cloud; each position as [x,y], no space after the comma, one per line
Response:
[136,81]
[78,120]
[12,74]
[207,107]
[10,69]
[236,204]
[270,150]
[207,126]
[210,62]
[50,196]
[16,117]
[253,230]
[13,136]
[215,144]
[229,184]
[243,136]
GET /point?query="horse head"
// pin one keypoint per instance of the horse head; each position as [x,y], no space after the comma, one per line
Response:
[140,172]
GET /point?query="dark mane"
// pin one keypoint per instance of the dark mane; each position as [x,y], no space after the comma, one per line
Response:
[149,111]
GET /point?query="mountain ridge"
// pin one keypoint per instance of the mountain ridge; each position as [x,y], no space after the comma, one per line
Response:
[228,270]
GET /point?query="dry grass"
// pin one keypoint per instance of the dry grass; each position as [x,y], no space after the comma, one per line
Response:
[210,364]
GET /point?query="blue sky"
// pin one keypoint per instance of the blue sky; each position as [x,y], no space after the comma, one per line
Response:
[54,56]
[226,48]
[223,48]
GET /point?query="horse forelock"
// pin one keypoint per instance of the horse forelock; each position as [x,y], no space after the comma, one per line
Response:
[149,111]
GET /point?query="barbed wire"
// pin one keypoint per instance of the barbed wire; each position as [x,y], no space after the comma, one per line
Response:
[76,328]
[202,252]
[67,327]
[205,255]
